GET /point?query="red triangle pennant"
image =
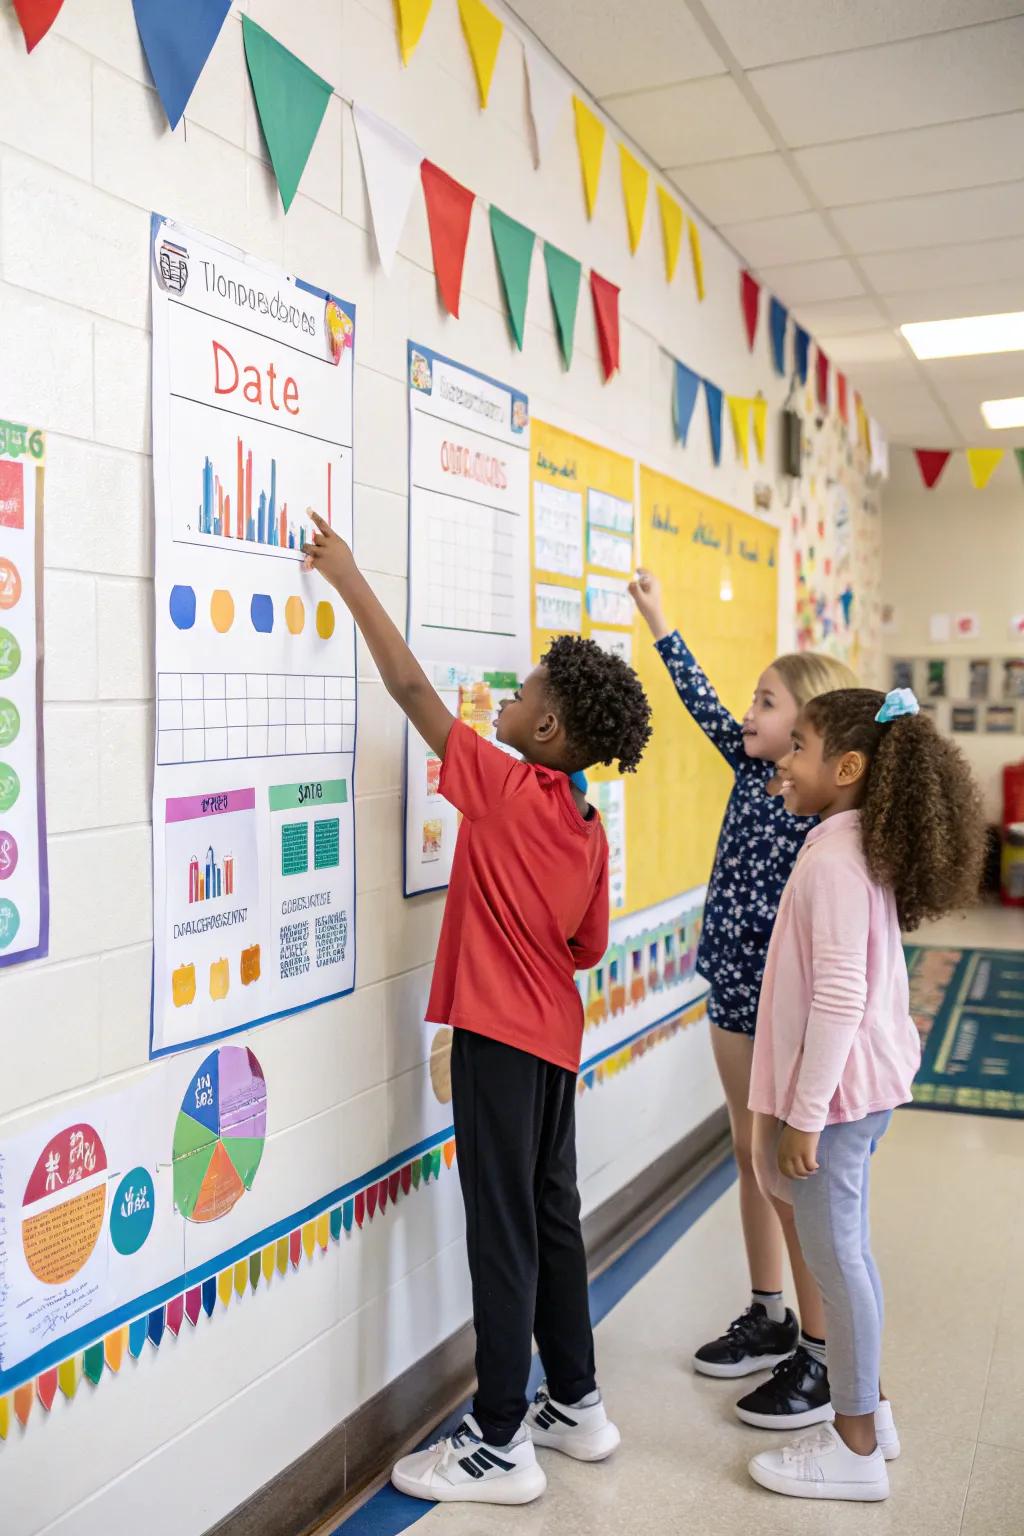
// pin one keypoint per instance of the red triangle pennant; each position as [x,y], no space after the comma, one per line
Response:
[382,1194]
[822,369]
[46,1388]
[750,298]
[194,1304]
[449,206]
[371,1201]
[931,462]
[407,1178]
[606,314]
[175,1314]
[844,404]
[360,1208]
[36,17]
[393,1181]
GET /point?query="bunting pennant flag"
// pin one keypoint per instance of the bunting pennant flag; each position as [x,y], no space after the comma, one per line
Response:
[411,16]
[295,1248]
[863,433]
[291,101]
[284,1254]
[307,1233]
[225,1286]
[564,286]
[24,1397]
[347,1215]
[931,462]
[634,191]
[36,18]
[155,1326]
[46,1387]
[671,231]
[483,31]
[801,352]
[590,139]
[175,1315]
[983,463]
[360,1209]
[194,1304]
[178,39]
[416,1174]
[697,257]
[336,1224]
[684,398]
[821,366]
[115,1346]
[391,168]
[546,94]
[268,1264]
[449,208]
[394,1180]
[844,404]
[1019,456]
[92,1362]
[513,246]
[5,1417]
[880,450]
[760,426]
[778,319]
[209,1295]
[714,398]
[255,1271]
[750,299]
[606,314]
[69,1374]
[739,411]
[137,1333]
[449,1153]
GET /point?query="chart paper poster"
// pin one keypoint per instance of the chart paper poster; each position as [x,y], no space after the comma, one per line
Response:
[469,563]
[254,887]
[24,891]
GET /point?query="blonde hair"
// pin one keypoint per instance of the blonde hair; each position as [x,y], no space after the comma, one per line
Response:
[807,674]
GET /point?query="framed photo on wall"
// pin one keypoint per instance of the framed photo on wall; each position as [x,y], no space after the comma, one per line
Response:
[965,719]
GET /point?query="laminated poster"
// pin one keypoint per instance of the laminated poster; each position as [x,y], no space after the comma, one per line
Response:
[469,563]
[253,844]
[24,890]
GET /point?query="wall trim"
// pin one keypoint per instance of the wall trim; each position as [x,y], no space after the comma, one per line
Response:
[352,1460]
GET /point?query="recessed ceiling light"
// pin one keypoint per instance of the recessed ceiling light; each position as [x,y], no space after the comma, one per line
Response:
[1004,413]
[968,337]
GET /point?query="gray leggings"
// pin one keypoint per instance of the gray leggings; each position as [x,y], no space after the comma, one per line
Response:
[831,1210]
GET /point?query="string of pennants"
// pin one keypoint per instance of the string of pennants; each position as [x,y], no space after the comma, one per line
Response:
[982,464]
[610,1066]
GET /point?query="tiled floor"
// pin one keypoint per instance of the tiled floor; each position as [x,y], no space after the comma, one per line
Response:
[949,1236]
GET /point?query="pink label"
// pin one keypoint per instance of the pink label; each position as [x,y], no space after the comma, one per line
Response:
[195,807]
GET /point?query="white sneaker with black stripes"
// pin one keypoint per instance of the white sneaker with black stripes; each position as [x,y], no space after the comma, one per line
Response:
[464,1468]
[585,1433]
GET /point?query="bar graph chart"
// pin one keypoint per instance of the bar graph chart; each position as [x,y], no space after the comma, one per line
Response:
[233,508]
[212,879]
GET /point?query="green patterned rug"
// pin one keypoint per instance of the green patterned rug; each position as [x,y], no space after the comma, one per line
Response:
[968,1005]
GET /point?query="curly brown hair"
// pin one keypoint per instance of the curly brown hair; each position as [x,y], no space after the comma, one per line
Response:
[921,817]
[602,702]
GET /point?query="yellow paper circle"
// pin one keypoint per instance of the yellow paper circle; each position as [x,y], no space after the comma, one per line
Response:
[324,620]
[222,611]
[295,615]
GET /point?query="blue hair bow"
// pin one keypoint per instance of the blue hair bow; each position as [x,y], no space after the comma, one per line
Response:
[901,701]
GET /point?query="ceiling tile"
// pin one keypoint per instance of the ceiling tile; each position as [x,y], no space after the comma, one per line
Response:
[841,317]
[686,124]
[868,347]
[622,48]
[936,159]
[753,187]
[794,237]
[794,29]
[941,218]
[907,412]
[967,73]
[807,281]
[985,377]
[948,303]
[945,266]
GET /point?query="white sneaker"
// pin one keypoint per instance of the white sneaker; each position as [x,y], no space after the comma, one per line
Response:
[586,1434]
[819,1465]
[464,1469]
[886,1432]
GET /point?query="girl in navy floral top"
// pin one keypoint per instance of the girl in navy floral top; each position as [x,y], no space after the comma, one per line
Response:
[757,849]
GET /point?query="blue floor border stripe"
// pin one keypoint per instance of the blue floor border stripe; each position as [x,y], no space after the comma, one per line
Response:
[390,1512]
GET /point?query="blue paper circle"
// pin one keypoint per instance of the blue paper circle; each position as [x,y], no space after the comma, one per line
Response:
[132,1211]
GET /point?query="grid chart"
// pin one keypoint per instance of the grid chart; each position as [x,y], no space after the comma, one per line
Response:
[213,716]
[472,560]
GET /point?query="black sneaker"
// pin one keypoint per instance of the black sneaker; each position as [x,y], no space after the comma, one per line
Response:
[795,1396]
[752,1343]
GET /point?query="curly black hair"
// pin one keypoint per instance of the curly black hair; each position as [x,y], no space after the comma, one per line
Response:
[922,819]
[601,702]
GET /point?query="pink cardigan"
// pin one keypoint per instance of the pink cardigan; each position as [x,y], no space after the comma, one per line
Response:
[835,1040]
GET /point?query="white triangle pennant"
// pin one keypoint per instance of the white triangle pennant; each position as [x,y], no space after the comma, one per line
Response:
[391,165]
[548,97]
[879,451]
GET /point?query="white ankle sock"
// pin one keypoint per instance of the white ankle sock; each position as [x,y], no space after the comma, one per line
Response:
[772,1302]
[814,1347]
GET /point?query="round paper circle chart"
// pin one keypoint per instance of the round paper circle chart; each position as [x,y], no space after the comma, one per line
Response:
[220,1134]
[64,1204]
[132,1211]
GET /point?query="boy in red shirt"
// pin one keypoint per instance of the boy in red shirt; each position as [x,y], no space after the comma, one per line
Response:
[527,907]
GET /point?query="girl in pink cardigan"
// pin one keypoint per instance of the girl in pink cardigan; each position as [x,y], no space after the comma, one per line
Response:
[900,839]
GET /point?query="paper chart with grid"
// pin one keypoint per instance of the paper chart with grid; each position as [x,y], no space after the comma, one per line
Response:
[472,575]
[213,716]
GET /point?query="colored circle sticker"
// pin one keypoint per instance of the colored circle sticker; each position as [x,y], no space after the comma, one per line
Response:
[10,584]
[10,722]
[10,922]
[132,1211]
[10,786]
[8,854]
[295,615]
[324,620]
[222,611]
[10,654]
[261,611]
[182,604]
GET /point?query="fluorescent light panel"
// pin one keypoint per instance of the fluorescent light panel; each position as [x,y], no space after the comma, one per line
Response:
[1004,413]
[967,337]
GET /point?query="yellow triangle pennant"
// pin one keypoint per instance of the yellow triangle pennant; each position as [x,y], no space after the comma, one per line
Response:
[323,1231]
[671,231]
[69,1375]
[590,138]
[760,426]
[282,1255]
[269,1261]
[697,256]
[411,16]
[983,463]
[224,1283]
[5,1417]
[863,430]
[241,1278]
[483,34]
[634,190]
[739,410]
[309,1238]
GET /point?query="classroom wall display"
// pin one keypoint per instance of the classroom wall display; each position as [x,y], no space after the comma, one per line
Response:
[24,883]
[468,616]
[254,857]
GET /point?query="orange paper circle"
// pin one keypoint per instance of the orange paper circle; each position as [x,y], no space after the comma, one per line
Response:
[222,611]
[295,615]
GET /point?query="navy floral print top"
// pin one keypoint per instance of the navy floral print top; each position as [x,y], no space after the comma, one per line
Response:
[757,848]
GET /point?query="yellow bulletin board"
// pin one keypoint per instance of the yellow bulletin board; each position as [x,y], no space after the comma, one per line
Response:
[718,571]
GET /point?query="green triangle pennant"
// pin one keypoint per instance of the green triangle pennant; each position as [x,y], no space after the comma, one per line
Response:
[564,287]
[1019,455]
[291,101]
[92,1362]
[513,246]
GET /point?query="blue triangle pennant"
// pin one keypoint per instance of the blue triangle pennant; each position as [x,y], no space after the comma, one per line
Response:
[714,398]
[178,39]
[684,398]
[778,318]
[802,348]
